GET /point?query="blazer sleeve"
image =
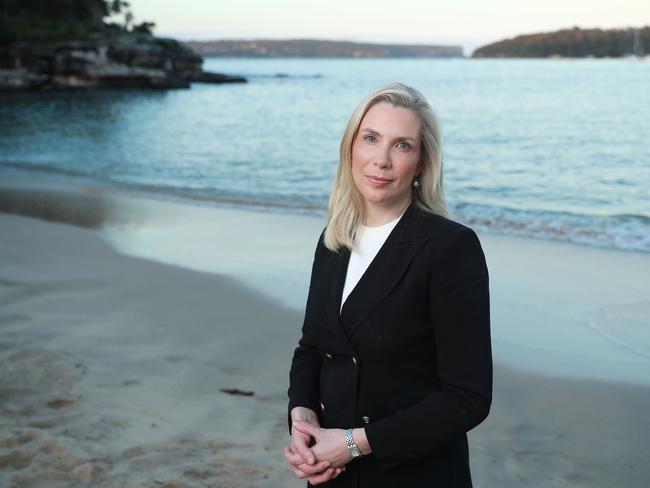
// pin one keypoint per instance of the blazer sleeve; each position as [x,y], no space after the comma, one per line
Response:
[459,306]
[304,375]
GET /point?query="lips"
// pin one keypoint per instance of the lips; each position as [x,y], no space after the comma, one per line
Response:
[377,181]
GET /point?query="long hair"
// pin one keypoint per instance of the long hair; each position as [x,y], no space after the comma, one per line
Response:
[345,207]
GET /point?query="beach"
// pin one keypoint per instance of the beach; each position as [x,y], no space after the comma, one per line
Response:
[146,342]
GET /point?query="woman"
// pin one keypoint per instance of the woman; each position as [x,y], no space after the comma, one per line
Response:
[394,365]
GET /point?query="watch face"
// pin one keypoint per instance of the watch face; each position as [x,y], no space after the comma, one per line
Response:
[352,447]
[355,452]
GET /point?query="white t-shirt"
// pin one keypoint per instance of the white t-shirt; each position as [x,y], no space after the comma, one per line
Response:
[369,242]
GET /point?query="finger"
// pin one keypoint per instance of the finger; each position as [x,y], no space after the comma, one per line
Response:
[305,453]
[292,457]
[321,478]
[313,469]
[299,474]
[288,454]
[303,438]
[309,469]
[297,460]
[307,428]
[291,454]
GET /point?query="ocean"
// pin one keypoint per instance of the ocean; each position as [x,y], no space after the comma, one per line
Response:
[549,149]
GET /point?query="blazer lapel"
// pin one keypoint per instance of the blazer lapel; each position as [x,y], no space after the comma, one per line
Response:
[339,270]
[381,276]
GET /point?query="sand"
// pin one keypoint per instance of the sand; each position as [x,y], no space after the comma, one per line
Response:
[112,366]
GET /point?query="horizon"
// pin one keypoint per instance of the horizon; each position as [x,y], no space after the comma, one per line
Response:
[379,43]
[466,23]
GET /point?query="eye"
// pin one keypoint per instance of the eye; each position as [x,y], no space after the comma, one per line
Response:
[368,136]
[406,145]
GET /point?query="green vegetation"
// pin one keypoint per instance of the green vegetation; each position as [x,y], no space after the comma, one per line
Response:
[62,20]
[573,42]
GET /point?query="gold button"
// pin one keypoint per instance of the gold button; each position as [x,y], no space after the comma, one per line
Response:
[322,407]
[366,420]
[328,355]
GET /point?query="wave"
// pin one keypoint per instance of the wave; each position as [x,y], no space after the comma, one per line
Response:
[624,325]
[629,232]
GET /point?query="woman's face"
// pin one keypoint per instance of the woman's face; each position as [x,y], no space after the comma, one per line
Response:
[386,155]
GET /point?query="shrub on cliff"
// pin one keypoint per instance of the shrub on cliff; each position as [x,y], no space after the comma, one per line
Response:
[62,20]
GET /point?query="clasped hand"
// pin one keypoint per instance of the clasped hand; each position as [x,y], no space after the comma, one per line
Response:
[315,453]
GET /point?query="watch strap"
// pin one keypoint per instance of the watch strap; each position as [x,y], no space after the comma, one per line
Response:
[352,447]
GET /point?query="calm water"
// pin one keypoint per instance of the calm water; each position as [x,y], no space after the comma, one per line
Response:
[545,148]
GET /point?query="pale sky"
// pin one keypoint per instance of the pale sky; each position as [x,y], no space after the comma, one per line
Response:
[469,23]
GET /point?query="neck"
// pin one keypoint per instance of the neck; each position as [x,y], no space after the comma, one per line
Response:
[376,215]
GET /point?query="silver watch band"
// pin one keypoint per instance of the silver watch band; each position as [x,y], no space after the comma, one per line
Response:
[352,447]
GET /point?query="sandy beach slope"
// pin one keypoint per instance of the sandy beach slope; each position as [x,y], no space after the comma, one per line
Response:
[112,369]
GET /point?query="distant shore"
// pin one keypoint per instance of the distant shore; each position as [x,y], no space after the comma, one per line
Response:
[571,43]
[315,48]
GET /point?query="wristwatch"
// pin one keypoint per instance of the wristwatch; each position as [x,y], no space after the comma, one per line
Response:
[352,447]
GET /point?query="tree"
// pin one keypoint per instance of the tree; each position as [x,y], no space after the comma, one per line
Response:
[144,28]
[49,20]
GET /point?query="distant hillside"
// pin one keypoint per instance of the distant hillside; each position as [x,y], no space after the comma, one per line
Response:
[575,43]
[315,48]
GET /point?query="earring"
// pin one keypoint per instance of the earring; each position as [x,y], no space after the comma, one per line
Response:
[416,183]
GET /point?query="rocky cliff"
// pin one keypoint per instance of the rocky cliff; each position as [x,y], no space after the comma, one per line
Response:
[128,61]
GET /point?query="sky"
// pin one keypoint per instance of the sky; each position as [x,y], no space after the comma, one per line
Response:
[468,23]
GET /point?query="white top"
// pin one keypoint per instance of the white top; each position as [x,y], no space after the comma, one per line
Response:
[369,242]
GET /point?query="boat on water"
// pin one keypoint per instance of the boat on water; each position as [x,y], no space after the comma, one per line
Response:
[637,52]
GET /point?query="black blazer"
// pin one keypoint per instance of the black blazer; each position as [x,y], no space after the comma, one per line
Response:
[409,357]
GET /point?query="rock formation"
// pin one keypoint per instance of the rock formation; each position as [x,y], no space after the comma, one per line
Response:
[126,61]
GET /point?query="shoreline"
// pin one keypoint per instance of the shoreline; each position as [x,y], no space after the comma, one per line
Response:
[39,186]
[116,365]
[558,309]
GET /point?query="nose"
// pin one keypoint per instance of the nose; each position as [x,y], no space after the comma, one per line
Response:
[383,158]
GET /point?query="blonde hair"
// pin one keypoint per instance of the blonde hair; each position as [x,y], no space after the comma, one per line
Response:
[346,202]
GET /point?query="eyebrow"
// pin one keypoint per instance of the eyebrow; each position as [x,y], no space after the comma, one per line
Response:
[373,131]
